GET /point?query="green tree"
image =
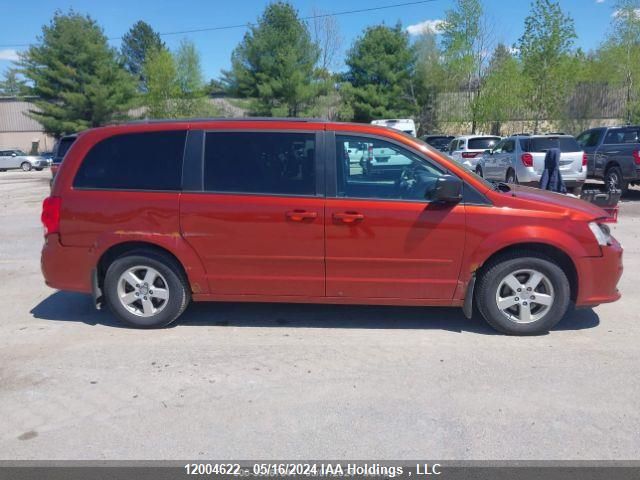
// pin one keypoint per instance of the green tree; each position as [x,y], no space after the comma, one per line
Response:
[163,90]
[380,64]
[465,43]
[175,85]
[190,81]
[136,45]
[275,63]
[428,80]
[503,92]
[75,75]
[13,85]
[621,54]
[545,50]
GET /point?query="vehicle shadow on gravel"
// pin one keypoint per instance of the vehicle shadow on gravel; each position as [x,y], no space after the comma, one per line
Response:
[75,307]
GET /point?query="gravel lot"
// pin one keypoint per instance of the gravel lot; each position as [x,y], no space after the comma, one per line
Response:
[257,381]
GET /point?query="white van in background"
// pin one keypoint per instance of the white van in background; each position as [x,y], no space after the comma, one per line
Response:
[405,125]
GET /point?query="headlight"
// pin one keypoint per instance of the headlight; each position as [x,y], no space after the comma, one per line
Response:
[601,232]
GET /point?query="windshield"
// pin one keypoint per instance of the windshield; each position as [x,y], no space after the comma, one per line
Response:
[482,143]
[542,144]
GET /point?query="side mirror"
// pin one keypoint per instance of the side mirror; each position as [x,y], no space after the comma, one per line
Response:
[489,151]
[448,189]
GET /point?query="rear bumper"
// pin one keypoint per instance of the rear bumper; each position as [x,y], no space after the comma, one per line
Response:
[66,268]
[599,276]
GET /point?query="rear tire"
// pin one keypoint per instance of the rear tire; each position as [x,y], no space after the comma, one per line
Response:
[479,171]
[132,298]
[535,311]
[25,166]
[511,177]
[577,190]
[614,180]
[39,169]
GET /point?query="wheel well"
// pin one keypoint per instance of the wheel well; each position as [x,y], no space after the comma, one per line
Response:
[610,165]
[560,257]
[116,251]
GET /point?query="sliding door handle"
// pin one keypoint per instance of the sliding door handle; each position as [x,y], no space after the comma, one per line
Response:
[348,217]
[300,215]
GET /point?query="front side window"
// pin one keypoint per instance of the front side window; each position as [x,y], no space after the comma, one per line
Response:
[134,161]
[589,138]
[262,162]
[509,146]
[386,171]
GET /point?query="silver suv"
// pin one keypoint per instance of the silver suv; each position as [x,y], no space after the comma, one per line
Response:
[11,158]
[520,159]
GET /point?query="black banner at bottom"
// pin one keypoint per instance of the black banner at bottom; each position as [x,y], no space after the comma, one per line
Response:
[329,469]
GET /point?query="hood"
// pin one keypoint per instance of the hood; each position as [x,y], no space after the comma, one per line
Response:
[542,200]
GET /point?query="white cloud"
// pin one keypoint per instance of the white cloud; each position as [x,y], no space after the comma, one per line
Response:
[617,13]
[427,26]
[8,54]
[514,50]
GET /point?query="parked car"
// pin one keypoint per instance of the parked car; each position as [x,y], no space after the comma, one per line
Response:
[14,158]
[406,125]
[520,159]
[149,216]
[613,155]
[59,151]
[468,149]
[439,142]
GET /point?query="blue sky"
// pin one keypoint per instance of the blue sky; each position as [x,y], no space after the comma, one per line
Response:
[23,20]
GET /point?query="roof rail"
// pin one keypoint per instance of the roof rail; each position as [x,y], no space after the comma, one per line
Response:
[219,119]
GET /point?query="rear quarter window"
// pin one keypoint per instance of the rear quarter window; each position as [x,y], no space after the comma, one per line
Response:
[542,144]
[484,143]
[134,161]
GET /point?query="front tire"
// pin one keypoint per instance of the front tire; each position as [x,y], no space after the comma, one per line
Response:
[146,289]
[479,171]
[25,166]
[523,293]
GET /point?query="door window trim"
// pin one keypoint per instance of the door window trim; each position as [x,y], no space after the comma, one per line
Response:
[195,156]
[332,177]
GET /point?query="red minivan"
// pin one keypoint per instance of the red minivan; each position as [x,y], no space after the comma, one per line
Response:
[149,216]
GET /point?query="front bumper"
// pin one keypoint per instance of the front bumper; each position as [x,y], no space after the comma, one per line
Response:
[599,276]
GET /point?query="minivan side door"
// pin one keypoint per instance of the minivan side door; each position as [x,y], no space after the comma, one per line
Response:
[385,239]
[257,220]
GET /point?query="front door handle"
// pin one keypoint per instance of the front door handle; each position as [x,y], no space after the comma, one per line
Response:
[348,217]
[300,215]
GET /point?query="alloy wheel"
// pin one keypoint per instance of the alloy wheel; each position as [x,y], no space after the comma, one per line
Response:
[525,296]
[143,291]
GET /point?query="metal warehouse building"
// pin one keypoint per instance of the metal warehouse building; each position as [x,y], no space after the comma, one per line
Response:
[18,130]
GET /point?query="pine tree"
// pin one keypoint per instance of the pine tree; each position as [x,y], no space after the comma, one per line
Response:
[380,64]
[275,63]
[137,43]
[75,75]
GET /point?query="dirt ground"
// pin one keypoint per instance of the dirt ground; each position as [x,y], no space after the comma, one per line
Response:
[258,381]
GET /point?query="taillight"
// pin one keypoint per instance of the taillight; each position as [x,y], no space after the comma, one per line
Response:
[584,159]
[636,157]
[469,154]
[51,215]
[527,159]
